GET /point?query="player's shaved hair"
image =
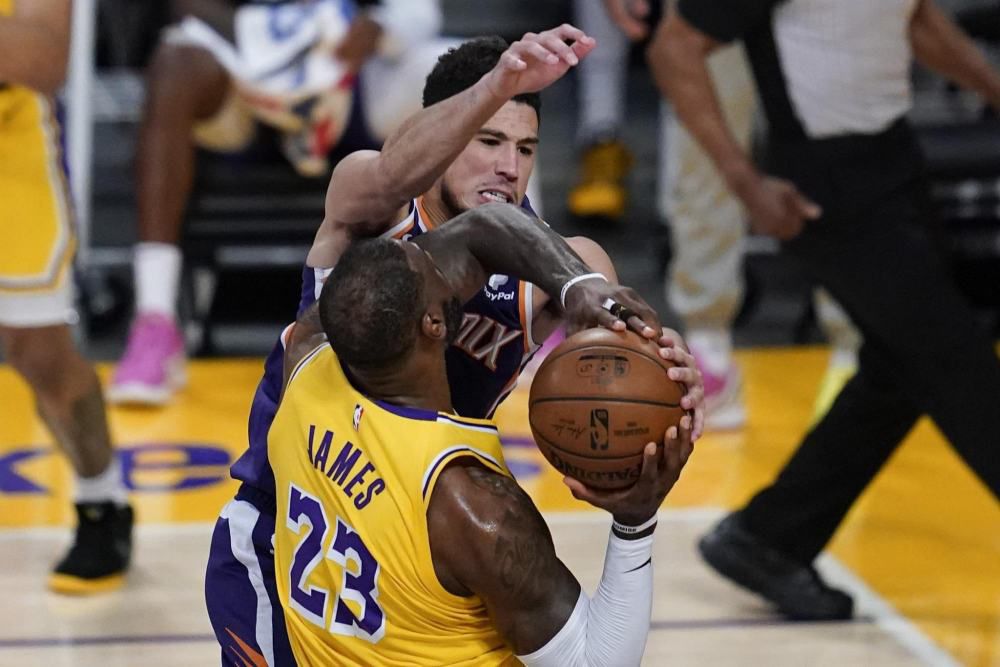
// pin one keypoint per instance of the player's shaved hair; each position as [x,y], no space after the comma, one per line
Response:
[462,66]
[371,304]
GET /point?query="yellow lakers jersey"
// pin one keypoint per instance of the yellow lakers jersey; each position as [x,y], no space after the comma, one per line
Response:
[6,7]
[353,564]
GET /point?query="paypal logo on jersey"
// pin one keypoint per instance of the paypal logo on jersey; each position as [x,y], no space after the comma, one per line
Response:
[493,286]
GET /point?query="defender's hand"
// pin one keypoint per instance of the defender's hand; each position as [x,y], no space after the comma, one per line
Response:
[672,348]
[598,303]
[538,60]
[661,467]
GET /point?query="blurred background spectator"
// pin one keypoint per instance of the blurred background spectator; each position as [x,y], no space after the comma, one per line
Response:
[251,215]
[323,74]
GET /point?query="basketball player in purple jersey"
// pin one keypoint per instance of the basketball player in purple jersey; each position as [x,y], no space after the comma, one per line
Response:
[472,145]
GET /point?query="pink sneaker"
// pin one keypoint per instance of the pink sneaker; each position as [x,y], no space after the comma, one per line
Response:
[724,408]
[152,368]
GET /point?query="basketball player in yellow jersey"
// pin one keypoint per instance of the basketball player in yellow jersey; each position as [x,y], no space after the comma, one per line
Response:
[401,537]
[36,251]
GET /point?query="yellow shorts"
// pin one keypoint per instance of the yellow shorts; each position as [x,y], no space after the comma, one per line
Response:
[36,220]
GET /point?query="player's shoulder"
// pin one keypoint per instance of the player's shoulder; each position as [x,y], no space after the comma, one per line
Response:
[482,505]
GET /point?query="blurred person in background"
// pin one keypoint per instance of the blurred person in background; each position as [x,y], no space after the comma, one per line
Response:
[322,72]
[849,199]
[37,242]
[605,160]
[704,282]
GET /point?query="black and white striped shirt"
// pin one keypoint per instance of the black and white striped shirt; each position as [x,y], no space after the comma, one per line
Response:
[823,67]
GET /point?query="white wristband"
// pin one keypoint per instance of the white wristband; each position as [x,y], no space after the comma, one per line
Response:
[573,281]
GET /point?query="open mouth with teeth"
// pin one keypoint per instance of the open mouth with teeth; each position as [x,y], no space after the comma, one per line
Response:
[494,195]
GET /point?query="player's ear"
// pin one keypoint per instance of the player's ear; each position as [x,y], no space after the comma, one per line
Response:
[433,325]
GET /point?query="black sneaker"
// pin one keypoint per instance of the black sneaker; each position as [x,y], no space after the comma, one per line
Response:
[796,589]
[100,554]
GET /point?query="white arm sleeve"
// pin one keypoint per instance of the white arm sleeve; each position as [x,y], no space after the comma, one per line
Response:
[610,628]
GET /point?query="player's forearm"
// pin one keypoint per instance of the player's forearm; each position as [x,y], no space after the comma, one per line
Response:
[677,59]
[32,55]
[610,628]
[940,45]
[420,151]
[503,238]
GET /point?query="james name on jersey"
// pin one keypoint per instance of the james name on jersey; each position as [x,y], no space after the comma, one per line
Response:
[366,483]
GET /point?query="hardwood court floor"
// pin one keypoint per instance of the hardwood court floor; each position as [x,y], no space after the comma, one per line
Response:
[921,550]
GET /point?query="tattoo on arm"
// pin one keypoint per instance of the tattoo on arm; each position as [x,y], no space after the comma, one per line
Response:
[519,560]
[532,592]
[518,554]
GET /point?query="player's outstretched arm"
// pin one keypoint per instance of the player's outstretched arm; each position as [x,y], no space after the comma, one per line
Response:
[488,538]
[34,44]
[368,188]
[502,238]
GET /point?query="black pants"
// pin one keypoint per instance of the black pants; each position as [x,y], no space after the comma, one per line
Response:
[874,249]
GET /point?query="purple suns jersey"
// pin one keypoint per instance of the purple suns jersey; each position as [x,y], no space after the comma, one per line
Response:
[493,346]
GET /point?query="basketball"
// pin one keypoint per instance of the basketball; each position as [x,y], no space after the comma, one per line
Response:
[597,400]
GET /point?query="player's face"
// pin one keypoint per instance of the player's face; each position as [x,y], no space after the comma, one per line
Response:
[496,164]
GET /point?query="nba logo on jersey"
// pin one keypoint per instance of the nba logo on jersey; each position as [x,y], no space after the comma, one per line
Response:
[358,412]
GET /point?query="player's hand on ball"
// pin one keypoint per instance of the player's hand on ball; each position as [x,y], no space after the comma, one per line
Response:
[586,307]
[538,59]
[673,348]
[661,467]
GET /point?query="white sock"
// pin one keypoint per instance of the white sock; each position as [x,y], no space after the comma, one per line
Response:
[157,268]
[105,486]
[713,348]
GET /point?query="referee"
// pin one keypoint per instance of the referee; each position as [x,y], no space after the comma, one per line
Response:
[845,190]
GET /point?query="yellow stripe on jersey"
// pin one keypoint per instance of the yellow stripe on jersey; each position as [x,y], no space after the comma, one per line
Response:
[352,553]
[36,227]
